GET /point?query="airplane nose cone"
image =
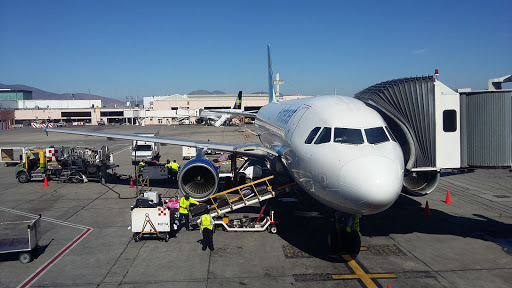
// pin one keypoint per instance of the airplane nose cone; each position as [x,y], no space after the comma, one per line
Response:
[373,182]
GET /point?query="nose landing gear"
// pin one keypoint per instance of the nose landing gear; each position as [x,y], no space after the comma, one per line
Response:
[344,236]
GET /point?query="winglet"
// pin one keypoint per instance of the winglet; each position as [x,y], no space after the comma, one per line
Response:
[271,95]
[46,128]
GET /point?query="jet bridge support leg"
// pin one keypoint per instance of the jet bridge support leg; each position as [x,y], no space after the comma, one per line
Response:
[344,235]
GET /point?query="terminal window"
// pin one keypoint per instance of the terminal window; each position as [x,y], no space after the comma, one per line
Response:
[449,120]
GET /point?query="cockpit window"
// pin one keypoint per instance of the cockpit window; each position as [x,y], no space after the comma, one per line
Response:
[312,135]
[348,136]
[390,134]
[324,137]
[376,135]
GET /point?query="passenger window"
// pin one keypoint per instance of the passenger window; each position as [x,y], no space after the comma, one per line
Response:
[390,134]
[324,137]
[376,135]
[312,135]
[348,136]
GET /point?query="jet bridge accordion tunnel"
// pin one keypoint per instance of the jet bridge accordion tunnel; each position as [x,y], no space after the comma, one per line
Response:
[439,128]
[423,114]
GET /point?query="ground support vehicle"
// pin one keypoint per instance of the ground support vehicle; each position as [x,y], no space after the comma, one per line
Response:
[145,150]
[71,164]
[152,219]
[153,171]
[188,152]
[20,237]
[13,155]
[247,224]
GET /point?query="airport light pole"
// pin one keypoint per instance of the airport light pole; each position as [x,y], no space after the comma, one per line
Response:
[129,98]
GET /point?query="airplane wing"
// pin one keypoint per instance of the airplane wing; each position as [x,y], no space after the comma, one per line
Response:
[250,150]
[221,120]
[234,112]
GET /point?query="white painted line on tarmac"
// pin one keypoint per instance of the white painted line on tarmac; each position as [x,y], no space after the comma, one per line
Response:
[52,261]
[61,253]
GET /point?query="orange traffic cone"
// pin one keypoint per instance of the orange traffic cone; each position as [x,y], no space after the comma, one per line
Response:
[45,183]
[427,209]
[389,286]
[448,199]
[131,183]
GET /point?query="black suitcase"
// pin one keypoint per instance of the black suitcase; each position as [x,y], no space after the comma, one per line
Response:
[143,202]
[199,210]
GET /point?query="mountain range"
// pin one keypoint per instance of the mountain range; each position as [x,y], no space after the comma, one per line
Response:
[38,94]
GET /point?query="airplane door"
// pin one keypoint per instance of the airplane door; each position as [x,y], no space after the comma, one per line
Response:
[292,125]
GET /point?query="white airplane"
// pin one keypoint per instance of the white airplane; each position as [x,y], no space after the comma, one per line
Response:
[336,148]
[219,116]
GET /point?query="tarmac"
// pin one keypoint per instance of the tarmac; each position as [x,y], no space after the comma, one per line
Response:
[86,240]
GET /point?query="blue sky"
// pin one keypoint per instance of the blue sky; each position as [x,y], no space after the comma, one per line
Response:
[144,48]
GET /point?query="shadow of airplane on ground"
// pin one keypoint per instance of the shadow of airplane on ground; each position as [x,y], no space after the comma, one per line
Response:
[309,234]
[407,216]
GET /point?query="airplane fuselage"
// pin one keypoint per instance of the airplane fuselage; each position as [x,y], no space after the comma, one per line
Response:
[337,149]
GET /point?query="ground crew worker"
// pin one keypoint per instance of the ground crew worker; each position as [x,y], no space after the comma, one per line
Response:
[175,169]
[169,169]
[184,209]
[141,165]
[206,224]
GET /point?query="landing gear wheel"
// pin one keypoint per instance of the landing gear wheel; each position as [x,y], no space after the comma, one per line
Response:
[23,177]
[333,240]
[25,258]
[136,237]
[351,243]
[272,229]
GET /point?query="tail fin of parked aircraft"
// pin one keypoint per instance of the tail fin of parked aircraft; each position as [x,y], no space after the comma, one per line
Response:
[271,95]
[238,101]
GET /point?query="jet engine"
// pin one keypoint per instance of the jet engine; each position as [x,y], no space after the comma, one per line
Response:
[421,183]
[199,178]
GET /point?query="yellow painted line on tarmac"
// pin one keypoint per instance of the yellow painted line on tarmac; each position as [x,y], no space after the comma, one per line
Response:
[360,274]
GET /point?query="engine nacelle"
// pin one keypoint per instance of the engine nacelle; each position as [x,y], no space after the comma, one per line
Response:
[421,183]
[199,178]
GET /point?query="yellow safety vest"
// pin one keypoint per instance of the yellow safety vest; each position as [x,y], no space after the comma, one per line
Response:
[141,165]
[174,166]
[184,203]
[206,222]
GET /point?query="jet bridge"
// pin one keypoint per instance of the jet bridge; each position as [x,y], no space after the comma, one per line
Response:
[438,128]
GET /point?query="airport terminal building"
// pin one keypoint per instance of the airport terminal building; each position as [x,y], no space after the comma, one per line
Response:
[156,110]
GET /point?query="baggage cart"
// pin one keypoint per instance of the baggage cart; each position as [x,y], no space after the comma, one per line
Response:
[153,222]
[20,237]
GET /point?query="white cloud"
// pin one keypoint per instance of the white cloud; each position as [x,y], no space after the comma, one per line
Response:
[420,51]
